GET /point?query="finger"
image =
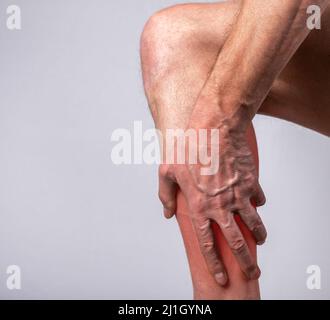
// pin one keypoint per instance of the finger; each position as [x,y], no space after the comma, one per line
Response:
[254,223]
[239,246]
[209,251]
[259,196]
[167,195]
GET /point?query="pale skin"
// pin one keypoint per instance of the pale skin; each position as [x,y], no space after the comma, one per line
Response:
[216,66]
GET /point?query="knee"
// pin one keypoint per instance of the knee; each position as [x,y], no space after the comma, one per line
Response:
[162,33]
[164,37]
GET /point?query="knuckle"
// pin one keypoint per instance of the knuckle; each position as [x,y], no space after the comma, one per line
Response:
[238,246]
[250,179]
[208,246]
[202,225]
[197,203]
[249,184]
[224,221]
[166,171]
[161,197]
[257,227]
[163,170]
[226,200]
[167,203]
[256,224]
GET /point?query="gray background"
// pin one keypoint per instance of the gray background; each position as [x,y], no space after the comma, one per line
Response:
[80,227]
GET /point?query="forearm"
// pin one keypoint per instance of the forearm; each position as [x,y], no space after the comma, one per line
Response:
[261,43]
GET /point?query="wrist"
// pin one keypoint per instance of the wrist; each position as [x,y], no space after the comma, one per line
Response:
[223,113]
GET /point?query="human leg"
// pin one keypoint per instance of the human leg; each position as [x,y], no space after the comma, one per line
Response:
[175,67]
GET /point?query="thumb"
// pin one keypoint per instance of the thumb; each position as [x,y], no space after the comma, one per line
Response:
[167,194]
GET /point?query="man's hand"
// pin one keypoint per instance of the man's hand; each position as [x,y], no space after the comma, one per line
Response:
[230,191]
[218,197]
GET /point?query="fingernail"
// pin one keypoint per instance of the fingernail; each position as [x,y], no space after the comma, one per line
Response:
[221,278]
[255,274]
[168,214]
